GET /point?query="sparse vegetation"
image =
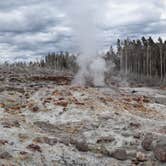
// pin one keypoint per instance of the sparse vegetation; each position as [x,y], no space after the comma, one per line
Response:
[139,60]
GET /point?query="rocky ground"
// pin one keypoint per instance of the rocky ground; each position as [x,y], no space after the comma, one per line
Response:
[45,121]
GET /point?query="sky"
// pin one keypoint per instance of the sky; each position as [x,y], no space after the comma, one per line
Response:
[32,28]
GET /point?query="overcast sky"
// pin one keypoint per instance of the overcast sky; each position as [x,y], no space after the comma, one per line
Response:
[31,28]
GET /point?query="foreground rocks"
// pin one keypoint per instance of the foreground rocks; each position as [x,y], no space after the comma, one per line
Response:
[147,142]
[44,122]
[119,154]
[160,151]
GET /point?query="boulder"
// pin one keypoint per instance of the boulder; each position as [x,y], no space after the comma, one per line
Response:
[160,151]
[147,142]
[119,154]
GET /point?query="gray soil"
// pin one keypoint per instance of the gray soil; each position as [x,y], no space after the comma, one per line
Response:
[46,121]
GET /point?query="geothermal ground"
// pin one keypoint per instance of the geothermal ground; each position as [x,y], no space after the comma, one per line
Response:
[45,121]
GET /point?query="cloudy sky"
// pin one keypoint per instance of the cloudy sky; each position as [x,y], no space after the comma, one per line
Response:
[32,28]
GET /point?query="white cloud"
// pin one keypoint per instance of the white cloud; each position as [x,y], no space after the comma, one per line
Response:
[33,27]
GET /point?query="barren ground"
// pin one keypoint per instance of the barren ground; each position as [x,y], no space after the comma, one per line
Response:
[46,121]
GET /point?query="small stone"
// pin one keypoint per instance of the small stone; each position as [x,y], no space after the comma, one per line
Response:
[49,141]
[35,109]
[141,156]
[119,154]
[23,153]
[107,139]
[137,135]
[11,143]
[80,145]
[160,151]
[134,125]
[5,155]
[147,142]
[16,123]
[62,103]
[34,147]
[135,162]
[3,142]
[2,105]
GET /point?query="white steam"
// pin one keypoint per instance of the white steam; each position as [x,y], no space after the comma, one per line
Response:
[82,20]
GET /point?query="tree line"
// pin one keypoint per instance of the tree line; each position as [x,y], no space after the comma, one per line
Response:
[141,58]
[59,61]
[144,57]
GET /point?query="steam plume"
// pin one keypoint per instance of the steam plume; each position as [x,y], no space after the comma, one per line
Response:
[82,16]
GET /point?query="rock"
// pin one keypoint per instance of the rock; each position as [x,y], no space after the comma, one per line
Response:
[34,147]
[62,103]
[160,151]
[5,155]
[146,99]
[137,135]
[23,155]
[135,162]
[49,141]
[2,105]
[141,156]
[3,142]
[35,109]
[133,91]
[134,125]
[134,143]
[147,142]
[80,145]
[107,139]
[119,154]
